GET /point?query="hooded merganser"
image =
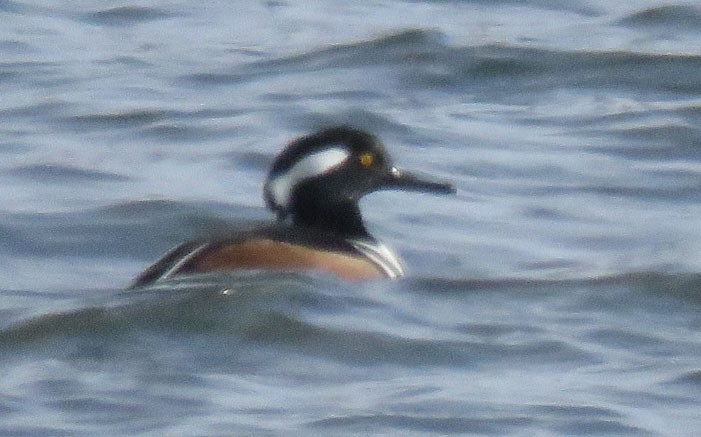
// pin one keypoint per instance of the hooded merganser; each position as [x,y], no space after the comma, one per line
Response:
[313,186]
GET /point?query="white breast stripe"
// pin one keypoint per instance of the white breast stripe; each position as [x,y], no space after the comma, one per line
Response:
[380,255]
[315,164]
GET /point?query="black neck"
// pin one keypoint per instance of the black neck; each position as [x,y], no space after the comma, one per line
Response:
[342,218]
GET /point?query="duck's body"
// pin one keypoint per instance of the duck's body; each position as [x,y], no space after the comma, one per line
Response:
[278,248]
[314,187]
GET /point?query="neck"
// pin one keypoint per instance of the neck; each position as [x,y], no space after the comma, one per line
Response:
[341,218]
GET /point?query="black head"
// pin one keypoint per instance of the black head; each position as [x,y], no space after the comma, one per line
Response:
[319,179]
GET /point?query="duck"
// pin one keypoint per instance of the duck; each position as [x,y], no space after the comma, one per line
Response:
[313,187]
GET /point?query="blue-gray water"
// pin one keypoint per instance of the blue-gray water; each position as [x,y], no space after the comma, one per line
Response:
[558,293]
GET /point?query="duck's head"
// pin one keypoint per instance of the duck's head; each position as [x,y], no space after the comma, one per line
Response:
[317,180]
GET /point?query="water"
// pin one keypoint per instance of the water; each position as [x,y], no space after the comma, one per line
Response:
[557,293]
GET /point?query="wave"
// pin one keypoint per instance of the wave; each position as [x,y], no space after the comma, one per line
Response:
[57,173]
[126,15]
[121,230]
[423,59]
[677,17]
[390,322]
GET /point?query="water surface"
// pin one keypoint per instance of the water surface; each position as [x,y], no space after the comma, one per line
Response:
[556,294]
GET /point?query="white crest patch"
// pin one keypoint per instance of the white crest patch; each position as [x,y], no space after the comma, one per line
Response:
[315,164]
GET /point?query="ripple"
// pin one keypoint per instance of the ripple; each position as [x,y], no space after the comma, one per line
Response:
[442,425]
[41,110]
[415,45]
[12,7]
[126,16]
[600,427]
[676,17]
[64,174]
[14,46]
[692,378]
[532,70]
[578,411]
[181,132]
[625,339]
[493,331]
[665,142]
[118,119]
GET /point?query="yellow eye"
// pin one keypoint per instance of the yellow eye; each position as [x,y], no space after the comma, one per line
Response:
[366,159]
